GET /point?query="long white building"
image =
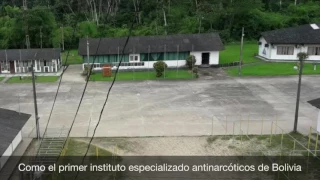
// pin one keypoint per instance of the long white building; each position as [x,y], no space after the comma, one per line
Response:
[285,44]
[20,60]
[142,52]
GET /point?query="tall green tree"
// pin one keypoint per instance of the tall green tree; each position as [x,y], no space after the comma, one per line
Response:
[34,21]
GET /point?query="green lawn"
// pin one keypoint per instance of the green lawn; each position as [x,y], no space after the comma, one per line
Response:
[74,57]
[272,69]
[232,53]
[1,78]
[40,79]
[144,75]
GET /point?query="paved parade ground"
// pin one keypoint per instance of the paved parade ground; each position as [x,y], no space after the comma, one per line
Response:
[206,106]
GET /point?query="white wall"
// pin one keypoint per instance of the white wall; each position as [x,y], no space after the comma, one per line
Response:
[297,50]
[275,56]
[5,156]
[16,141]
[271,52]
[318,125]
[263,48]
[213,60]
[213,57]
[170,63]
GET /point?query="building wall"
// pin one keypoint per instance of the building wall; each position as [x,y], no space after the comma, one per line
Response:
[147,65]
[271,51]
[214,57]
[144,57]
[176,59]
[24,66]
[16,141]
[264,51]
[9,151]
[275,56]
[296,51]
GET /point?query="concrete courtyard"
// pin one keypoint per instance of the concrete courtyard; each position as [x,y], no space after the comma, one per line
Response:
[207,106]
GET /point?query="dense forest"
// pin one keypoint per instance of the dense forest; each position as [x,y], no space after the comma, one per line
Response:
[45,20]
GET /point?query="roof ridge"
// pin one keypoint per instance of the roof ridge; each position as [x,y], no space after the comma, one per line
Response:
[169,35]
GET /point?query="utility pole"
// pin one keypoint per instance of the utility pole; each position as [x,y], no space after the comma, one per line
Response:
[200,26]
[62,37]
[241,53]
[32,70]
[88,56]
[41,37]
[295,2]
[35,101]
[298,97]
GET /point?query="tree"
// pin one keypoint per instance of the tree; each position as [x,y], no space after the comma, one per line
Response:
[37,17]
[87,28]
[67,36]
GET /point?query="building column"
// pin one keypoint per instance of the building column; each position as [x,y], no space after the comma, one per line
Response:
[15,66]
[35,65]
[39,65]
[56,64]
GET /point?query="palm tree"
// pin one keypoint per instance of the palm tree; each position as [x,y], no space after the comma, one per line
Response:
[302,56]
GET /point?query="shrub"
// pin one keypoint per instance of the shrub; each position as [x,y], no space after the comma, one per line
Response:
[87,70]
[159,67]
[191,61]
[195,70]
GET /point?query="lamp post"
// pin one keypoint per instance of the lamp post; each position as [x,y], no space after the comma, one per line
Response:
[302,56]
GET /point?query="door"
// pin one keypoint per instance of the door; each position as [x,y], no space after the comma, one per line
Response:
[205,58]
[12,67]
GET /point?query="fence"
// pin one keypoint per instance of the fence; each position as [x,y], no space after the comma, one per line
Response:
[253,128]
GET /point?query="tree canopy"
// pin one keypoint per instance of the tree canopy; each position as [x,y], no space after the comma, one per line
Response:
[54,19]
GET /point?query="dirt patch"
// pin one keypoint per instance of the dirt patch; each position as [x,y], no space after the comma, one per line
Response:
[220,145]
[179,146]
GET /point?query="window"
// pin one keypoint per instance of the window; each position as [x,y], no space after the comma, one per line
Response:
[96,65]
[134,58]
[266,45]
[314,51]
[285,50]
